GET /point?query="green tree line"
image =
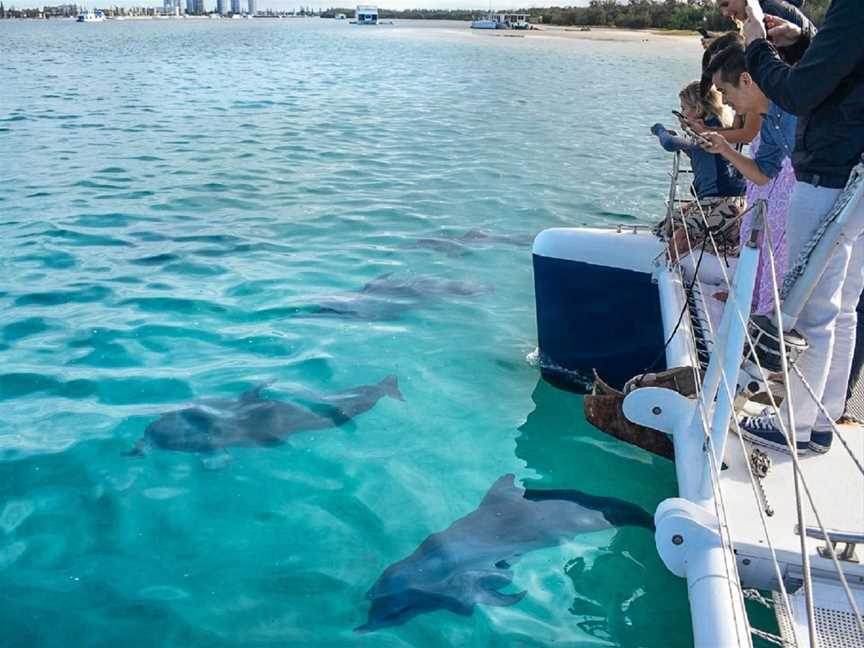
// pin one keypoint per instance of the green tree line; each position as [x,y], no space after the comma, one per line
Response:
[631,14]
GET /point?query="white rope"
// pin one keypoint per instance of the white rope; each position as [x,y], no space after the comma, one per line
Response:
[852,602]
[719,502]
[797,269]
[798,473]
[824,411]
[732,303]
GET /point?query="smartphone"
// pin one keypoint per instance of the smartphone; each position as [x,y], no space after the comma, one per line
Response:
[689,132]
[703,32]
[756,8]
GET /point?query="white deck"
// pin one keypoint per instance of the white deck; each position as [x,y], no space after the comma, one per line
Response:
[838,491]
[837,487]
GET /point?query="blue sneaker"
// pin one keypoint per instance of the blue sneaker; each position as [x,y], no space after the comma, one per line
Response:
[765,430]
[820,441]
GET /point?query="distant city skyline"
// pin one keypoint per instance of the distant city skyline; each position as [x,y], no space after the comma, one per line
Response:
[288,5]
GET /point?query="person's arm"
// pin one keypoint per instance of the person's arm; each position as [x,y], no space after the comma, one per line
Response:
[670,141]
[834,53]
[747,166]
[736,134]
[791,51]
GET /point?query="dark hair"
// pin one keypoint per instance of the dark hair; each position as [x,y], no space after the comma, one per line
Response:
[729,62]
[720,43]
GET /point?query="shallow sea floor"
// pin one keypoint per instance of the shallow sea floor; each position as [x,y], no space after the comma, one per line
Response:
[176,200]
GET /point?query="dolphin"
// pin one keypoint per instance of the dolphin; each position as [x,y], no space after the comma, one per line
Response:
[454,246]
[387,297]
[209,426]
[469,563]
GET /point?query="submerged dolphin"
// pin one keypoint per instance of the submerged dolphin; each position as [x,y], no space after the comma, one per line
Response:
[211,425]
[387,297]
[458,245]
[468,563]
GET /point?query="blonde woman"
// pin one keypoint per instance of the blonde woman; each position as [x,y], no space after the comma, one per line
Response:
[719,189]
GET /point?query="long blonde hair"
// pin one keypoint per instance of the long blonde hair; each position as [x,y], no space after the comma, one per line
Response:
[707,105]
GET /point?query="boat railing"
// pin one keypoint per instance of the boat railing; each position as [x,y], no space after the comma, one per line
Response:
[693,535]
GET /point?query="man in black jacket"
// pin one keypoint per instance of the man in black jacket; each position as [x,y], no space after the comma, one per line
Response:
[826,90]
[790,52]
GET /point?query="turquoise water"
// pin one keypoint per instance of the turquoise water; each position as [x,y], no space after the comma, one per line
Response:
[173,194]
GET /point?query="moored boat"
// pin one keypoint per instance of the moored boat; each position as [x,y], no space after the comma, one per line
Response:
[91,16]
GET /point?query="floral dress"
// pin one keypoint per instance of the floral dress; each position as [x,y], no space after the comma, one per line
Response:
[777,193]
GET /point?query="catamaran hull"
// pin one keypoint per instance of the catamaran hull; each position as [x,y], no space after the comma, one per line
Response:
[597,307]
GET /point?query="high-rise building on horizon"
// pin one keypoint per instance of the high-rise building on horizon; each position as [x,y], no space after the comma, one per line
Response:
[251,7]
[190,6]
[198,7]
[235,6]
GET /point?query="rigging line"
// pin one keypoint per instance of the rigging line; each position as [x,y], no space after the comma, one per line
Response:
[719,502]
[796,464]
[837,566]
[824,411]
[688,290]
[811,626]
[798,475]
[798,472]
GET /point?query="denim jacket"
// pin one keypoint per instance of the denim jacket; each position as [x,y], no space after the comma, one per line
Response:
[778,140]
[713,175]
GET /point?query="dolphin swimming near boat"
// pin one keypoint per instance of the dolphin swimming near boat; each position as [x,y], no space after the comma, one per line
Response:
[387,297]
[210,425]
[454,246]
[469,563]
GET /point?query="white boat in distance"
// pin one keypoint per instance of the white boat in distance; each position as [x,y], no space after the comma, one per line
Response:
[365,15]
[368,15]
[91,16]
[502,21]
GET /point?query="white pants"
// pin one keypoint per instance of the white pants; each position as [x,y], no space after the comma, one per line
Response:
[828,318]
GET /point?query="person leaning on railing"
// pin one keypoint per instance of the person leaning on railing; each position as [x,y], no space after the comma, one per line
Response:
[768,172]
[719,190]
[826,91]
[745,127]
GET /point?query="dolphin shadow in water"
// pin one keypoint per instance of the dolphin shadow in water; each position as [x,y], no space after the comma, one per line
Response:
[209,426]
[384,298]
[469,563]
[454,246]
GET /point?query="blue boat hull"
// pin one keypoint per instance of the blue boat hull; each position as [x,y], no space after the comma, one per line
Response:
[597,307]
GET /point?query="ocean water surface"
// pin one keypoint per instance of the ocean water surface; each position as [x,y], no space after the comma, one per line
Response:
[181,205]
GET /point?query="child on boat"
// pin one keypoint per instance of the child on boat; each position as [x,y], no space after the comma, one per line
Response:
[718,187]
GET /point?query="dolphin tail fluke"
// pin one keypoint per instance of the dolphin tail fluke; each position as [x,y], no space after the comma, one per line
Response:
[390,387]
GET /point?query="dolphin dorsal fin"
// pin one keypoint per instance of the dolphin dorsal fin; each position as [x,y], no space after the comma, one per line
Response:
[255,393]
[371,285]
[504,488]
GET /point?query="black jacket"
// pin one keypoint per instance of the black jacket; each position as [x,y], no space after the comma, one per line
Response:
[787,11]
[826,90]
